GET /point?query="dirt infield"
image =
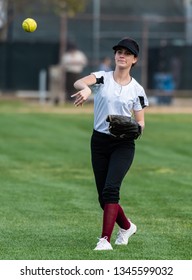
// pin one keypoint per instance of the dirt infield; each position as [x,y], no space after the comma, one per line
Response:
[179,106]
[88,109]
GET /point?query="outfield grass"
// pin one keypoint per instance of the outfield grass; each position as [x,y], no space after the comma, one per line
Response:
[48,200]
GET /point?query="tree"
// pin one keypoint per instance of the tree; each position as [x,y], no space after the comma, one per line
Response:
[71,7]
[62,8]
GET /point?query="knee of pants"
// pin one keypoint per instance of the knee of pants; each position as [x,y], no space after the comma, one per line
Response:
[101,202]
[110,194]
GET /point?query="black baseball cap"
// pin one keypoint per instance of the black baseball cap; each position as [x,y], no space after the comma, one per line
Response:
[129,44]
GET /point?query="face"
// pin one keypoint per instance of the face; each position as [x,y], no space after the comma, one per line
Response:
[124,58]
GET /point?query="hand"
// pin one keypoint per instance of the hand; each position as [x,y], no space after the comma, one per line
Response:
[81,96]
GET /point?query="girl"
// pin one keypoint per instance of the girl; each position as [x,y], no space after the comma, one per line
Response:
[116,93]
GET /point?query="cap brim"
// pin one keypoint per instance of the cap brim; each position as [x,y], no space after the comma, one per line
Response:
[117,47]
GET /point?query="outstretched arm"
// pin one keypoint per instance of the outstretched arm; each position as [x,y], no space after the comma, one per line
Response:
[84,91]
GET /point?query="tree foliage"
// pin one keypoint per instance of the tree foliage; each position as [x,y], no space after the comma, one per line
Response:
[71,7]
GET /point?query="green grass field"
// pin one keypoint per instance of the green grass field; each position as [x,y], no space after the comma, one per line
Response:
[48,200]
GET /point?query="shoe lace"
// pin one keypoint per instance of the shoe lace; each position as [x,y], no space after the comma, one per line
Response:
[100,242]
[120,236]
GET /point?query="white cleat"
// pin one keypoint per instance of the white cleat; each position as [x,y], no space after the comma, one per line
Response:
[123,235]
[103,244]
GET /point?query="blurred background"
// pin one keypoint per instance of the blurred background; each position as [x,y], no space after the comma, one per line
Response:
[33,65]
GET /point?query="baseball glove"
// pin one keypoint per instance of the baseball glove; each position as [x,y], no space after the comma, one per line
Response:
[123,127]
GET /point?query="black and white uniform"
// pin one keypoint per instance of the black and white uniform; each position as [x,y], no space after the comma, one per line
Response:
[111,157]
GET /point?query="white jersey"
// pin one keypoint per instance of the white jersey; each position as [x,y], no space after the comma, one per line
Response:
[110,98]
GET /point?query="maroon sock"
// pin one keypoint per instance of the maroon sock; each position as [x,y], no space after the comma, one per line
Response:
[109,218]
[122,220]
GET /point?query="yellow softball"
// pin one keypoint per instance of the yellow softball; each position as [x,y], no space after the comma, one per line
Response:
[29,25]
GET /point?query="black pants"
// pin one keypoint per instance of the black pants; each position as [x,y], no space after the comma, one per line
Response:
[111,159]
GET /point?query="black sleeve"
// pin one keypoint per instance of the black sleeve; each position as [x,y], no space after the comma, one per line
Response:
[100,80]
[142,102]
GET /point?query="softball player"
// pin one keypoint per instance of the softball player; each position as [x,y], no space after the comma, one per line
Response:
[117,93]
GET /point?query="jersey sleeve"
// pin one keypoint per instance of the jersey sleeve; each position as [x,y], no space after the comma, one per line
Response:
[100,78]
[141,100]
[99,75]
